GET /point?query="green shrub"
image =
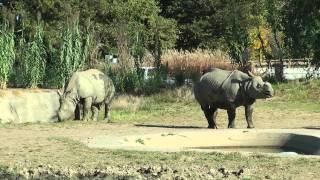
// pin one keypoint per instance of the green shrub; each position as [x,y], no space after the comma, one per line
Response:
[125,81]
[74,51]
[32,60]
[53,78]
[7,54]
[132,81]
[153,85]
[180,78]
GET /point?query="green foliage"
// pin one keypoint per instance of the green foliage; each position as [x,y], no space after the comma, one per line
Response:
[124,81]
[153,84]
[200,23]
[131,28]
[215,24]
[7,54]
[302,28]
[138,50]
[138,27]
[274,18]
[133,82]
[240,22]
[32,57]
[180,78]
[74,51]
[296,27]
[53,78]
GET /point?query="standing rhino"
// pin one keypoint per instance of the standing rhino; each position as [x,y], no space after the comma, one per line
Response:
[229,90]
[92,88]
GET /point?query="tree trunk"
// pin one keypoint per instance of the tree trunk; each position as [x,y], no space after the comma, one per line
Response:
[157,51]
[280,66]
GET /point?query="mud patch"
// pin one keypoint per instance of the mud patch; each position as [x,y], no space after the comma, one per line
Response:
[306,142]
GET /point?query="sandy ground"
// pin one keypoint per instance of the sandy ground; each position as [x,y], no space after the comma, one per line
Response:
[304,141]
[27,145]
[17,137]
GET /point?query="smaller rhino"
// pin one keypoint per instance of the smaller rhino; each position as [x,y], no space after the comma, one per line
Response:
[220,89]
[92,88]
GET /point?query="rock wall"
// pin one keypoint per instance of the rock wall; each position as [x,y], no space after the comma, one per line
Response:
[28,105]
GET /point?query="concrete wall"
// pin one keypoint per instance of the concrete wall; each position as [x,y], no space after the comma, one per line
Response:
[293,73]
[28,105]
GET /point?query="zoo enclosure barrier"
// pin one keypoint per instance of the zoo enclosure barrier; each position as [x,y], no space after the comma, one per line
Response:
[288,69]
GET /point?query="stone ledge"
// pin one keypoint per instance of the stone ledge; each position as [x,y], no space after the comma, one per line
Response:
[28,105]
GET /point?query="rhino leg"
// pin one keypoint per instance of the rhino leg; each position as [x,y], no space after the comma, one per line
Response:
[248,112]
[231,117]
[78,112]
[87,108]
[215,113]
[95,113]
[211,114]
[106,112]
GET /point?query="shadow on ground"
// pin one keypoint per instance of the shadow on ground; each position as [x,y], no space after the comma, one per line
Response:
[304,144]
[312,127]
[170,126]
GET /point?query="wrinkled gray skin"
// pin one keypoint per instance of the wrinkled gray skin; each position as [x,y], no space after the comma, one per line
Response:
[220,89]
[92,89]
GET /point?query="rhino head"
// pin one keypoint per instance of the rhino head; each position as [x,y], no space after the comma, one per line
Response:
[256,88]
[67,108]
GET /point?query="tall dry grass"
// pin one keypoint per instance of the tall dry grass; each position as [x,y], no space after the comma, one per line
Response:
[197,61]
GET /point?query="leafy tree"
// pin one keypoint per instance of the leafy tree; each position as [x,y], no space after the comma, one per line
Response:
[237,37]
[200,22]
[235,26]
[137,21]
[274,18]
[302,28]
[163,34]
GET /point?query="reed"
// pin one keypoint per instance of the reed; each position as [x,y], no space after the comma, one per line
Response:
[7,53]
[33,59]
[74,52]
[196,62]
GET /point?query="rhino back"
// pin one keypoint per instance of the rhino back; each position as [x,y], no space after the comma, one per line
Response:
[90,83]
[220,87]
[209,89]
[215,78]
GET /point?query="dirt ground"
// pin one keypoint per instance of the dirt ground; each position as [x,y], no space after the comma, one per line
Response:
[55,151]
[263,118]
